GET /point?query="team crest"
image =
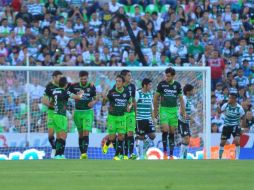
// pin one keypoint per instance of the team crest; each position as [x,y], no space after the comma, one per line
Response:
[174,86]
[129,87]
[88,90]
[124,95]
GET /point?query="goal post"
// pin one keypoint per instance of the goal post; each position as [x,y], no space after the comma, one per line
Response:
[199,76]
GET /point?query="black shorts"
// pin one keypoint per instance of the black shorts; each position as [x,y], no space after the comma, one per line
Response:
[228,130]
[183,128]
[144,127]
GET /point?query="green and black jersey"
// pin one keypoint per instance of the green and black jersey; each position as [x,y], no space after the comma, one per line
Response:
[49,91]
[89,94]
[60,99]
[132,91]
[118,101]
[169,93]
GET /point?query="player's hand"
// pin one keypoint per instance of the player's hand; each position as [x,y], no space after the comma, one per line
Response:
[155,121]
[91,104]
[155,113]
[80,93]
[128,108]
[183,113]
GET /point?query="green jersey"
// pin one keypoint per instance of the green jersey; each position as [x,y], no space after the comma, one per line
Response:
[144,105]
[60,98]
[89,94]
[169,93]
[118,101]
[49,90]
[233,114]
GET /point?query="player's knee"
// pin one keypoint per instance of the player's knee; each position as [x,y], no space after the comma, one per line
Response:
[237,141]
[223,142]
[187,140]
[151,136]
[141,137]
[121,137]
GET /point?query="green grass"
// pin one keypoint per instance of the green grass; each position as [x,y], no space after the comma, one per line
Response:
[126,175]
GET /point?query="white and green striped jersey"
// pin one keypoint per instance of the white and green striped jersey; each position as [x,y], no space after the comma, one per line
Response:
[233,114]
[144,105]
[189,109]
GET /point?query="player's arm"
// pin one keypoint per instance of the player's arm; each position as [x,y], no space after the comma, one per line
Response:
[242,121]
[130,104]
[156,104]
[105,98]
[45,100]
[77,96]
[95,97]
[182,106]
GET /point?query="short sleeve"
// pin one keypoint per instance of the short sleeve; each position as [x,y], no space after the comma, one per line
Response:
[137,96]
[133,93]
[159,88]
[223,107]
[47,91]
[179,90]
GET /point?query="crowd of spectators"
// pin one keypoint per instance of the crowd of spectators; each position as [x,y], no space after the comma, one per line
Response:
[216,33]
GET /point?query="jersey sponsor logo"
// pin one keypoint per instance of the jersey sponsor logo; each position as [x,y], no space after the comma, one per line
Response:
[57,91]
[169,91]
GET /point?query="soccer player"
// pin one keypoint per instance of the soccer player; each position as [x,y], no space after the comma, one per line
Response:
[234,113]
[83,114]
[144,116]
[120,101]
[184,124]
[48,97]
[60,100]
[130,117]
[168,91]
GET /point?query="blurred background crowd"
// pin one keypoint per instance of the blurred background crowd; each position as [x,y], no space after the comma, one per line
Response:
[215,33]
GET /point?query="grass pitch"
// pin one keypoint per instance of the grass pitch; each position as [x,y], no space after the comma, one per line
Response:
[126,175]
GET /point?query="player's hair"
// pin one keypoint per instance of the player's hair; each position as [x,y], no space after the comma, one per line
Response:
[171,71]
[62,82]
[125,72]
[56,73]
[233,94]
[146,81]
[121,77]
[187,88]
[83,73]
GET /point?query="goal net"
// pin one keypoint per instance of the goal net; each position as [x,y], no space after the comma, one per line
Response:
[23,118]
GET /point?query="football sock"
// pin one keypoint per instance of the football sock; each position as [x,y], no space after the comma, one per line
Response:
[81,142]
[141,149]
[119,147]
[114,142]
[126,145]
[183,151]
[221,151]
[237,152]
[164,141]
[52,142]
[86,143]
[171,144]
[131,144]
[60,146]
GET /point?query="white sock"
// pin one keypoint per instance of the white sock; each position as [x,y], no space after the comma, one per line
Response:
[237,152]
[182,150]
[141,149]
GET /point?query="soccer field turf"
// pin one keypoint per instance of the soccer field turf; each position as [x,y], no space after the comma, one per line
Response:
[126,175]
